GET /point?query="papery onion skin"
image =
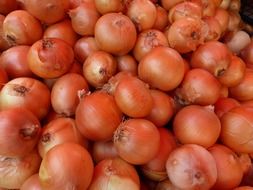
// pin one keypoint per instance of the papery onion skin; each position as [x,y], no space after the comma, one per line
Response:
[22,92]
[65,93]
[112,33]
[50,57]
[236,129]
[191,167]
[227,162]
[105,113]
[20,27]
[115,174]
[155,64]
[32,183]
[66,166]
[58,131]
[133,136]
[15,171]
[20,132]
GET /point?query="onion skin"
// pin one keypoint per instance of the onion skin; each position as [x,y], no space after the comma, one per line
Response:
[127,63]
[66,166]
[4,45]
[3,77]
[22,91]
[103,150]
[224,104]
[236,129]
[247,54]
[107,116]
[32,183]
[115,174]
[134,135]
[108,6]
[15,171]
[7,6]
[191,167]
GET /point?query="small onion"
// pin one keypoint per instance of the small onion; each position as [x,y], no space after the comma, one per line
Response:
[115,174]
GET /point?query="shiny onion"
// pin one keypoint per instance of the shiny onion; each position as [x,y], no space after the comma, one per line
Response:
[32,183]
[168,4]
[190,30]
[191,124]
[66,166]
[21,28]
[7,6]
[66,92]
[98,68]
[225,4]
[224,104]
[115,33]
[162,61]
[198,87]
[148,40]
[103,150]
[19,133]
[161,18]
[14,61]
[214,28]
[236,129]
[62,30]
[155,169]
[133,97]
[127,63]
[213,56]
[16,170]
[142,13]
[58,131]
[115,174]
[50,57]
[191,167]
[247,54]
[234,73]
[28,93]
[223,18]
[84,47]
[109,6]
[244,90]
[49,11]
[133,143]
[83,18]
[163,108]
[185,9]
[227,162]
[98,116]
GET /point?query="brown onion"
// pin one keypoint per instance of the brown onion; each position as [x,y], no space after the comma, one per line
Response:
[50,57]
[133,143]
[115,174]
[222,17]
[168,4]
[103,150]
[28,93]
[161,18]
[109,6]
[66,166]
[21,28]
[247,54]
[32,183]
[191,167]
[214,28]
[224,104]
[66,92]
[234,23]
[3,77]
[7,6]
[16,170]
[127,63]
[3,41]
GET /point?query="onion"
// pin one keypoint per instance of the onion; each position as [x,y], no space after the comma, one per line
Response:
[198,87]
[66,166]
[191,167]
[235,5]
[155,169]
[103,150]
[48,11]
[127,63]
[58,131]
[142,13]
[245,162]
[222,16]
[14,61]
[234,23]
[133,97]
[21,28]
[32,183]
[115,174]
[7,6]
[50,57]
[132,141]
[161,18]
[66,92]
[3,77]
[98,116]
[166,185]
[16,170]
[225,4]
[20,132]
[3,41]
[109,6]
[84,18]
[148,40]
[227,162]
[22,92]
[214,28]
[237,129]
[162,61]
[168,4]
[247,54]
[62,30]
[115,33]
[243,188]
[224,104]
[98,68]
